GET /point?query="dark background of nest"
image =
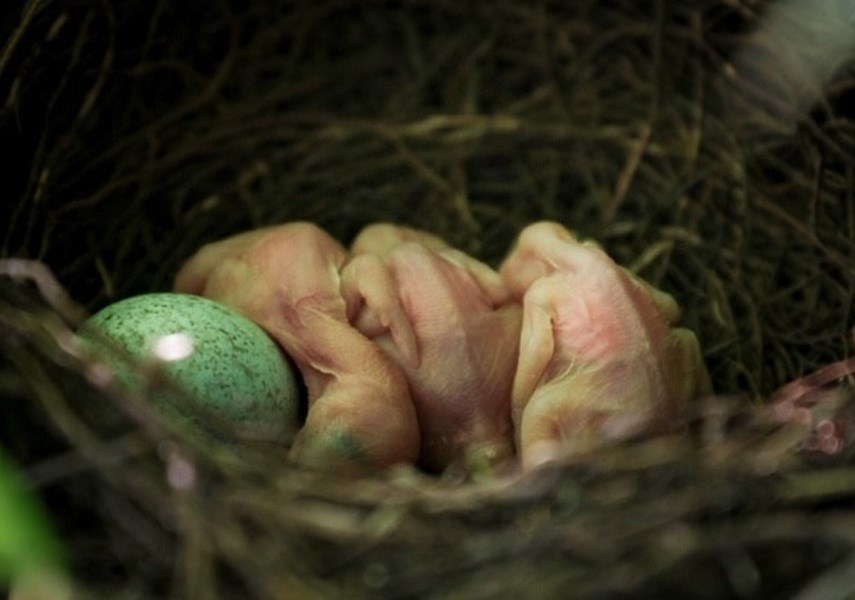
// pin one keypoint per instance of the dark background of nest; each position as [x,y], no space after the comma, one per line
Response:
[140,131]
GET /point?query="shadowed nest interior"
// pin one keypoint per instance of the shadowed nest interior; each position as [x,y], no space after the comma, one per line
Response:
[670,132]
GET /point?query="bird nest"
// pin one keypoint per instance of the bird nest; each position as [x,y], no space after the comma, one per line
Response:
[705,145]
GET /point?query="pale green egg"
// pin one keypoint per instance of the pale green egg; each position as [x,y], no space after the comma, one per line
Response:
[227,363]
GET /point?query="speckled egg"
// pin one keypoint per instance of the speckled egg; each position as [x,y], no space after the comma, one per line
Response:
[225,361]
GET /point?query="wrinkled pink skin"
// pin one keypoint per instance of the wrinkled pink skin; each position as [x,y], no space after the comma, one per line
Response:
[409,348]
[597,349]
[287,279]
[446,320]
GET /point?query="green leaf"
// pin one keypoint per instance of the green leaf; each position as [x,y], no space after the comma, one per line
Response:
[27,539]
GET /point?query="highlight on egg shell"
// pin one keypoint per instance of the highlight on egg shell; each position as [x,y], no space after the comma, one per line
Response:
[234,370]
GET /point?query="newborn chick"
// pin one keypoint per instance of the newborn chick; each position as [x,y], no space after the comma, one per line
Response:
[444,318]
[287,279]
[597,348]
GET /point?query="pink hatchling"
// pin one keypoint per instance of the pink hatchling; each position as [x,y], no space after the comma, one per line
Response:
[597,348]
[287,278]
[447,320]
